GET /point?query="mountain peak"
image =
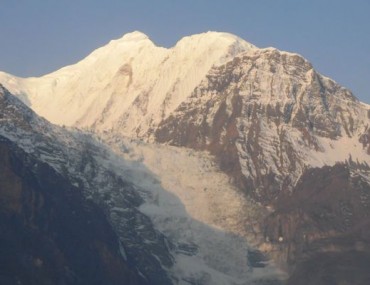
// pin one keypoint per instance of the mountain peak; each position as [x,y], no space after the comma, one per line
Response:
[214,37]
[134,36]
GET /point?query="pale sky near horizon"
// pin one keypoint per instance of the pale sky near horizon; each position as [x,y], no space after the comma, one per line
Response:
[40,36]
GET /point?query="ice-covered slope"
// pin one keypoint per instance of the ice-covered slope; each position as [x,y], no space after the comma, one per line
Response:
[213,226]
[130,84]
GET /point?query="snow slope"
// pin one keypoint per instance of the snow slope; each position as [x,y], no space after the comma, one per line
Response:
[129,84]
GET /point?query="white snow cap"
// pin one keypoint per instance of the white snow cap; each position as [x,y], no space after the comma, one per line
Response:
[205,38]
[134,36]
[103,89]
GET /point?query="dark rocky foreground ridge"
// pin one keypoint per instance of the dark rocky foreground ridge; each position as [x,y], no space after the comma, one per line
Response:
[49,233]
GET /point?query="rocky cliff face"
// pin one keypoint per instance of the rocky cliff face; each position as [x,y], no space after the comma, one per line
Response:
[267,115]
[323,226]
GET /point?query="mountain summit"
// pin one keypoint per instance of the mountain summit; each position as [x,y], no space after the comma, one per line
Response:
[134,36]
[105,89]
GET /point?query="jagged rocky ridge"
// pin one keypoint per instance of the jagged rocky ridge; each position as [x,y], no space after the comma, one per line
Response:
[266,115]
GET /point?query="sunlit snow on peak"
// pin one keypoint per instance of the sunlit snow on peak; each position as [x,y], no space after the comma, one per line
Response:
[134,36]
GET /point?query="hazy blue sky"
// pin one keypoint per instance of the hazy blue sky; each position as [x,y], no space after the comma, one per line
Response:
[39,36]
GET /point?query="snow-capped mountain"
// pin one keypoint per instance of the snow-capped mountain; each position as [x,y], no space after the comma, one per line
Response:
[266,114]
[213,133]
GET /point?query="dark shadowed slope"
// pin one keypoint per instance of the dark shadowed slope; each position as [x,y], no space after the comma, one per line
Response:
[49,233]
